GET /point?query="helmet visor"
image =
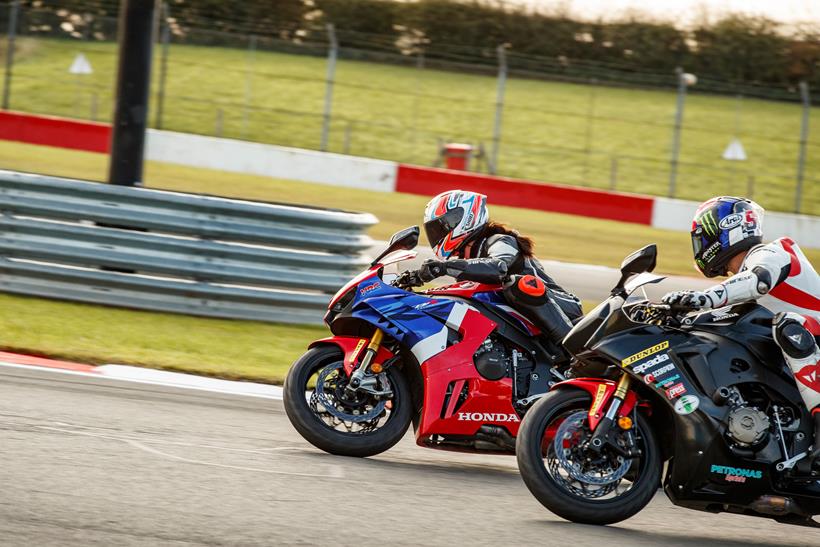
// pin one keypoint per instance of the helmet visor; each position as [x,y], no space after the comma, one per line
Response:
[438,228]
[697,243]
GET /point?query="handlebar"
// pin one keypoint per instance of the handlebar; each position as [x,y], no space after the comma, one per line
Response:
[650,312]
[408,279]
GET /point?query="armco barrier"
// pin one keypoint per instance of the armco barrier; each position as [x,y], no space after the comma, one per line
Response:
[174,252]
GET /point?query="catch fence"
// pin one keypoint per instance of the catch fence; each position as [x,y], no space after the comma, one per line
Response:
[553,119]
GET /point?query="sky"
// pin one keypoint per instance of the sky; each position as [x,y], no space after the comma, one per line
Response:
[686,11]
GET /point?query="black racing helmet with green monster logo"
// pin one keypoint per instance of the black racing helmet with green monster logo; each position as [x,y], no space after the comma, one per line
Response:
[723,227]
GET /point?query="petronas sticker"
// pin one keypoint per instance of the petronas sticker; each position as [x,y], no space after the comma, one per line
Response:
[686,405]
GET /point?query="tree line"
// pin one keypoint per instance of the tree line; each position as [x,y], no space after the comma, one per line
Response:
[735,49]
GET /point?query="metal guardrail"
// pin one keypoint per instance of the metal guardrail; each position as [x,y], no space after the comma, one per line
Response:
[168,251]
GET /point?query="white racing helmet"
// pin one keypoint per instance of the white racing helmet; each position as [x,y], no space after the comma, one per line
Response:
[452,218]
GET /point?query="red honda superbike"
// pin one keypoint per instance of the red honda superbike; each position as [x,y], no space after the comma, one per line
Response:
[457,361]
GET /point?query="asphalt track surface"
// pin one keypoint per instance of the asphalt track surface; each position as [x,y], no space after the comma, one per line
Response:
[92,462]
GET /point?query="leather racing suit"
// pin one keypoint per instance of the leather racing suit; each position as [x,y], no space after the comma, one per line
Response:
[497,258]
[780,277]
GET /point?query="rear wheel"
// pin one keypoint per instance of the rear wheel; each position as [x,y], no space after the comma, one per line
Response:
[571,479]
[330,418]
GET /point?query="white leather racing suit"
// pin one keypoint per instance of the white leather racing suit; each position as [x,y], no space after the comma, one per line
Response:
[780,277]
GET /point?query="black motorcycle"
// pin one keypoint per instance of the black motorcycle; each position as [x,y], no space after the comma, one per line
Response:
[707,393]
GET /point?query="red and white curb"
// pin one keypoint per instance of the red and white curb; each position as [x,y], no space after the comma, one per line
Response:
[140,375]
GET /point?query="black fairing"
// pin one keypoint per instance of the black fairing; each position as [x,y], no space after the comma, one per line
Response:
[705,355]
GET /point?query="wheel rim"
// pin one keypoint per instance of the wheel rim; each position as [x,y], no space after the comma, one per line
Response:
[581,472]
[333,408]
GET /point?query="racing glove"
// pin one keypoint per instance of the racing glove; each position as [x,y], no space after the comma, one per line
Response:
[694,300]
[431,269]
[408,278]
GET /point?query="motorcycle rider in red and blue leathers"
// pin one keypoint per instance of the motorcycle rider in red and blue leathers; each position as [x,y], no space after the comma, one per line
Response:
[470,247]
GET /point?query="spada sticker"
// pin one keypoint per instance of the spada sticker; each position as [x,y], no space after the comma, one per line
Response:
[646,365]
[644,353]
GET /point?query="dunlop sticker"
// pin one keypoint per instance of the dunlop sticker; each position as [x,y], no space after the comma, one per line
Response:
[599,399]
[356,351]
[644,353]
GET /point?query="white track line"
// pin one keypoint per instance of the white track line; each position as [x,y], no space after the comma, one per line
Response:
[139,375]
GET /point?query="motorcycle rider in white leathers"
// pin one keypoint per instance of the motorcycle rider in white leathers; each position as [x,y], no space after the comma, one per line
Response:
[727,239]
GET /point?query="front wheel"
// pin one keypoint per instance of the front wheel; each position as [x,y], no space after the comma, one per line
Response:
[571,479]
[338,422]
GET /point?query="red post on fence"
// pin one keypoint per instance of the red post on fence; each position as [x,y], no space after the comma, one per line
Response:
[457,156]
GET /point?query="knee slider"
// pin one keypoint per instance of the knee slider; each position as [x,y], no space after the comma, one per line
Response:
[792,337]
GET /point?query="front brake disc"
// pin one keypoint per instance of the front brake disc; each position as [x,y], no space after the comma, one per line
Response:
[571,427]
[330,402]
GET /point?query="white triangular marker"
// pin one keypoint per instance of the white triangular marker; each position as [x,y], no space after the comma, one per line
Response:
[735,151]
[81,65]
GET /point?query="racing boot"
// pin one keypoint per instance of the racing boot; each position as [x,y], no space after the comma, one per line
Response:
[796,336]
[530,296]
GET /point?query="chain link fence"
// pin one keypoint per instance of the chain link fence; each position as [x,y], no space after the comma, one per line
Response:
[538,118]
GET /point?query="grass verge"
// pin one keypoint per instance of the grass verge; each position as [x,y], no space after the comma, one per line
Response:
[99,335]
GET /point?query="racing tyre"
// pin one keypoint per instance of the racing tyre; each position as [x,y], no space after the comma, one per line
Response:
[572,480]
[332,420]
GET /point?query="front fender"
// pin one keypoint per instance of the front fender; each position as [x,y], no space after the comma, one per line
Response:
[601,391]
[352,347]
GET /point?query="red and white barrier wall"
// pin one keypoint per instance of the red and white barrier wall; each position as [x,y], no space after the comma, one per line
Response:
[384,176]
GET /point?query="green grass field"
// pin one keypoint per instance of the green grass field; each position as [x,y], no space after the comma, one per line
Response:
[99,335]
[399,113]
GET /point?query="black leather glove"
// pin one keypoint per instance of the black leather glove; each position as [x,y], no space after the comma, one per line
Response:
[408,278]
[432,269]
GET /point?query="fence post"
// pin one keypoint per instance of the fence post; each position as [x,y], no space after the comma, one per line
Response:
[590,123]
[163,62]
[332,54]
[499,106]
[249,63]
[804,138]
[219,123]
[95,102]
[347,138]
[613,172]
[684,80]
[13,15]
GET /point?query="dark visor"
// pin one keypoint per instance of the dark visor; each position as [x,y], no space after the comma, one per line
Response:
[438,228]
[697,243]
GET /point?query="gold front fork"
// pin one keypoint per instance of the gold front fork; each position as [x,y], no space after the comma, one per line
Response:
[376,341]
[623,387]
[369,355]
